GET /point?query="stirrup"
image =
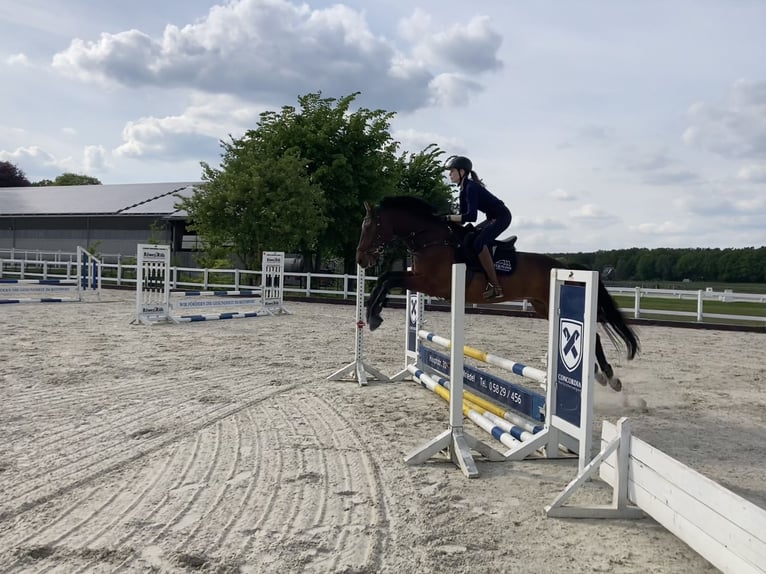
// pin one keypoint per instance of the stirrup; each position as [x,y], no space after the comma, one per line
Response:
[489,291]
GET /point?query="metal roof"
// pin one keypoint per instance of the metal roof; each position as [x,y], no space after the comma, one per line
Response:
[124,199]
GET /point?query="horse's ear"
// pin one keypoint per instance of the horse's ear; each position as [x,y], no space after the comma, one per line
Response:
[367,208]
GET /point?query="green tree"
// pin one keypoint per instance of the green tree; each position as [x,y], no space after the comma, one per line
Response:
[645,268]
[348,154]
[299,180]
[254,203]
[69,178]
[421,174]
[12,176]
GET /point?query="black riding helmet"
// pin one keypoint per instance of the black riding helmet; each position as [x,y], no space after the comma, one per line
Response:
[459,162]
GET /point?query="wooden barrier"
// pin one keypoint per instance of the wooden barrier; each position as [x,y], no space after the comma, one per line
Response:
[724,528]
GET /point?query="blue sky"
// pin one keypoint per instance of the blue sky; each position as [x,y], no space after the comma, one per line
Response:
[602,124]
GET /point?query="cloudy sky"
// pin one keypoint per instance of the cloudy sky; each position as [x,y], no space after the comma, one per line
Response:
[602,124]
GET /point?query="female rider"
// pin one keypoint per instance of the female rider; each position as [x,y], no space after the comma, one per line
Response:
[474,197]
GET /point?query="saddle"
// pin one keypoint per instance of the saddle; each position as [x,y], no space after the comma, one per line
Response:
[503,251]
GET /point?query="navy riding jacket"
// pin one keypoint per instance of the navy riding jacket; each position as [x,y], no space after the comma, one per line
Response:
[474,197]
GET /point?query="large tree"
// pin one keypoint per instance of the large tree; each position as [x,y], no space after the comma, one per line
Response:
[255,203]
[12,176]
[349,155]
[299,180]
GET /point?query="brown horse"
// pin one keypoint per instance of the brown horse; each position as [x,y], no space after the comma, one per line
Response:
[435,245]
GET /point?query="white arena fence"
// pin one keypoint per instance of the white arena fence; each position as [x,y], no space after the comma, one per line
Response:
[46,265]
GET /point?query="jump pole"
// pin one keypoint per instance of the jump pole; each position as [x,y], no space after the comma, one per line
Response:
[454,440]
[359,370]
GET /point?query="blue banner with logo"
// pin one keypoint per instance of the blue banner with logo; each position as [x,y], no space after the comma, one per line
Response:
[569,375]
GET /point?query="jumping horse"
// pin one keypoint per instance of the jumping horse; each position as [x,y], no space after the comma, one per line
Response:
[435,245]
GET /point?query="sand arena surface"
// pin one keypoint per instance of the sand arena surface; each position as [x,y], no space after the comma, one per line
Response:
[219,447]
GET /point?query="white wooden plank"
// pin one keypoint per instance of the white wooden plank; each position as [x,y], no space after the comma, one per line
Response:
[721,500]
[723,527]
[709,547]
[655,494]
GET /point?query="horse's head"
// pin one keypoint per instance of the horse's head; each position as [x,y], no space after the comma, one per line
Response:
[373,239]
[409,219]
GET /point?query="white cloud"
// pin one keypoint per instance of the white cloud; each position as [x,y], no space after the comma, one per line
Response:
[470,46]
[415,27]
[590,212]
[39,163]
[453,89]
[560,194]
[735,128]
[94,159]
[260,48]
[413,141]
[34,159]
[200,127]
[18,60]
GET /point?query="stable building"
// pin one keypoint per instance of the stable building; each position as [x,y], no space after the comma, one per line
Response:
[111,219]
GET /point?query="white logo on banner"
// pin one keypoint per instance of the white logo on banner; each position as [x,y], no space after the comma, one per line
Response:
[414,309]
[570,343]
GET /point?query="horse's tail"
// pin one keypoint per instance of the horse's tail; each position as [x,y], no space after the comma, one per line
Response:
[613,321]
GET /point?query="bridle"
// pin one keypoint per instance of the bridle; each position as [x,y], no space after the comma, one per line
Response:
[378,244]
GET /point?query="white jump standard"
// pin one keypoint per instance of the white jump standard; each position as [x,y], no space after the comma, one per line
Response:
[457,443]
[86,283]
[156,302]
[565,412]
[359,370]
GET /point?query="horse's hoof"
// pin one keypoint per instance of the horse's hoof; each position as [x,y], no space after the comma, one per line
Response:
[601,378]
[374,322]
[615,384]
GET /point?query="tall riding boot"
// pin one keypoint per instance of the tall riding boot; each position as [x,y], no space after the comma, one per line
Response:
[494,290]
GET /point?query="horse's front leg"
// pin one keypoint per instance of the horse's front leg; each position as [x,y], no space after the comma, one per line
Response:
[379,295]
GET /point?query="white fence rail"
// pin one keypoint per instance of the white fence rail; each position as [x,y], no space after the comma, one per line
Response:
[344,286]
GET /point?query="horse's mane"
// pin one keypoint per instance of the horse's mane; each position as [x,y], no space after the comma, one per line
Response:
[413,205]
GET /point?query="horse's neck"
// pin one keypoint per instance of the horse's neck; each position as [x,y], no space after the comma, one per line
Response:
[415,231]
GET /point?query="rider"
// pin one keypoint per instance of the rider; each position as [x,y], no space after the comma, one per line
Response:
[474,197]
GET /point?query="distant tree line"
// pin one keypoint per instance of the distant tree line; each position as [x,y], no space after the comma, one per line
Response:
[745,265]
[13,176]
